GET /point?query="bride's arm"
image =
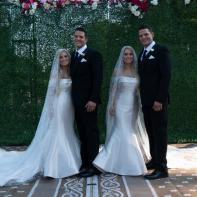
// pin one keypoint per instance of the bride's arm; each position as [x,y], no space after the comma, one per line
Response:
[113,99]
[112,93]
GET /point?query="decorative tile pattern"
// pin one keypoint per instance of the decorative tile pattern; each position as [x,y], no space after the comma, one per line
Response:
[181,183]
[73,187]
[110,186]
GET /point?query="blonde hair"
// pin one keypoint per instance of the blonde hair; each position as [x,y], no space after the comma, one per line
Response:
[134,63]
[59,51]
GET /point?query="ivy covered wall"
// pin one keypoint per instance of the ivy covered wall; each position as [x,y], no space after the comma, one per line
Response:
[28,44]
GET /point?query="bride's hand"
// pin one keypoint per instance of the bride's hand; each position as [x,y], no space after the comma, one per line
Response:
[112,111]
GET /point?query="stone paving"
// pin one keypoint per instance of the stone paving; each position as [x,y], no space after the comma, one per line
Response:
[181,183]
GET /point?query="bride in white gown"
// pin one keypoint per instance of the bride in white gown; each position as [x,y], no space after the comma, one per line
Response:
[124,152]
[126,147]
[54,150]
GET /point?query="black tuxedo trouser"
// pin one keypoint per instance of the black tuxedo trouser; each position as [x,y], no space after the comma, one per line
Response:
[156,126]
[89,135]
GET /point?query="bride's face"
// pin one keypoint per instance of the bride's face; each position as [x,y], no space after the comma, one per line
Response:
[128,56]
[64,59]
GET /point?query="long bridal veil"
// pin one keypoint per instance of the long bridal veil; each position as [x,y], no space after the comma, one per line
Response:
[140,128]
[19,166]
[177,157]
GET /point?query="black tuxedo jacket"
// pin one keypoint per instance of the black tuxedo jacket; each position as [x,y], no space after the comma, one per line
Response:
[155,72]
[86,75]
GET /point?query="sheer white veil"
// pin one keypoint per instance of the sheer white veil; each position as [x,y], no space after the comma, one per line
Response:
[118,72]
[48,111]
[37,151]
[140,128]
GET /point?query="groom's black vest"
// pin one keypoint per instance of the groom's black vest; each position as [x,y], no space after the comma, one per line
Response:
[86,74]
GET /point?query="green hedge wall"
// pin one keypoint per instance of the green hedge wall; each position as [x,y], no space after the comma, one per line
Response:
[23,80]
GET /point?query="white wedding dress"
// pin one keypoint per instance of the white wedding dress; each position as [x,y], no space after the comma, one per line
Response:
[55,149]
[122,153]
[126,148]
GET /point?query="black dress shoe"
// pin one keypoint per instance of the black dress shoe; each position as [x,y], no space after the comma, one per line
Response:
[156,174]
[150,165]
[49,178]
[82,170]
[89,172]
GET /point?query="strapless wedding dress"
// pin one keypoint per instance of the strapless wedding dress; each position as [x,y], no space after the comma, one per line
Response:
[121,153]
[54,152]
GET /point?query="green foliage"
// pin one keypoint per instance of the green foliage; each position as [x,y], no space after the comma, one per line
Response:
[24,79]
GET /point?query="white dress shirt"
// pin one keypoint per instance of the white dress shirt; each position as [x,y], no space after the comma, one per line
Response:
[81,50]
[149,47]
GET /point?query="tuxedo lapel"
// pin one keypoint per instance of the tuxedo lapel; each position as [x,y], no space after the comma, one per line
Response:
[148,61]
[82,56]
[77,62]
[139,58]
[73,66]
[151,53]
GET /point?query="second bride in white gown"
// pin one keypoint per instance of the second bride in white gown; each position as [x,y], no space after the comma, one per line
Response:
[124,152]
[55,150]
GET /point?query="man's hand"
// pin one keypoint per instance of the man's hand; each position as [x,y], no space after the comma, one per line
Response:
[90,106]
[157,106]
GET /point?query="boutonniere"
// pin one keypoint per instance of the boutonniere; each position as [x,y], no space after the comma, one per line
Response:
[82,54]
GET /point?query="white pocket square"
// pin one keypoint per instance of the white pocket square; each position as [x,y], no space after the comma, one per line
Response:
[83,60]
[151,57]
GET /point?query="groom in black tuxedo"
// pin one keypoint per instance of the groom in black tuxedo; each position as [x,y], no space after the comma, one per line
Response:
[154,69]
[86,74]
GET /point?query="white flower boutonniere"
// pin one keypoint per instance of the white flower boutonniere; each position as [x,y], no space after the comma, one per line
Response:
[152,49]
[82,54]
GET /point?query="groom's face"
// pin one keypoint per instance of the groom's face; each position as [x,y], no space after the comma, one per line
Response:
[79,39]
[146,36]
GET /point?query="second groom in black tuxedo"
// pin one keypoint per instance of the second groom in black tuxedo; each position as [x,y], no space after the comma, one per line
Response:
[86,74]
[154,69]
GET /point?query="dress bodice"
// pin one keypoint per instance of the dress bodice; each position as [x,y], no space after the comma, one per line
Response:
[126,94]
[122,154]
[127,84]
[54,140]
[65,84]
